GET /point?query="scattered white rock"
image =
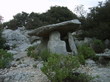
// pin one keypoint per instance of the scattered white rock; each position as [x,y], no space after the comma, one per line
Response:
[105,54]
[90,62]
[16,39]
[26,74]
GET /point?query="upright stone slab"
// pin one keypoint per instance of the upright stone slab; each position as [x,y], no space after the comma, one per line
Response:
[55,45]
[72,44]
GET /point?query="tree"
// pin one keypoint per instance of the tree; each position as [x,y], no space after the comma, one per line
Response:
[1,19]
[98,21]
[80,11]
[33,20]
[58,14]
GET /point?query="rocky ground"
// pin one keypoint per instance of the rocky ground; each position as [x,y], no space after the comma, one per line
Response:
[26,69]
[98,72]
[22,70]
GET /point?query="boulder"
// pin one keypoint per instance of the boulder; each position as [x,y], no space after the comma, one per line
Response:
[88,41]
[90,62]
[105,54]
[63,28]
[51,39]
[104,58]
[72,44]
[56,45]
[16,39]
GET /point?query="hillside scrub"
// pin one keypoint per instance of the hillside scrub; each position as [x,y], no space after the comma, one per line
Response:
[97,23]
[55,14]
[2,40]
[98,46]
[60,68]
[5,58]
[86,51]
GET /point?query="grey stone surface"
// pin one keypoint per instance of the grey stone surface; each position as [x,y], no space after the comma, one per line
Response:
[64,27]
[105,54]
[107,43]
[26,74]
[99,74]
[23,71]
[72,44]
[16,39]
[88,41]
[55,45]
[34,38]
[79,42]
[90,62]
[102,73]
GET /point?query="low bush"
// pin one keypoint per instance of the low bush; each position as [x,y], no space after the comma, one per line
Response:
[31,52]
[45,55]
[5,58]
[81,59]
[2,40]
[86,51]
[98,46]
[58,67]
[78,77]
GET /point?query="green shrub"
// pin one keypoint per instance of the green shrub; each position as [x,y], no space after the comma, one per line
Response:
[31,52]
[45,55]
[2,40]
[78,77]
[86,51]
[58,67]
[81,59]
[5,58]
[98,46]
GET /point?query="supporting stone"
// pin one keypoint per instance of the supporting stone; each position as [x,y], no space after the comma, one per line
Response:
[55,45]
[72,44]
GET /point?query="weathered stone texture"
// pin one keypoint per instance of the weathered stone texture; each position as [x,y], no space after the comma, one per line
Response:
[72,44]
[55,44]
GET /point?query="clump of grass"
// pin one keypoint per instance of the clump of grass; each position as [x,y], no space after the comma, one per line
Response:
[31,52]
[98,46]
[86,51]
[5,58]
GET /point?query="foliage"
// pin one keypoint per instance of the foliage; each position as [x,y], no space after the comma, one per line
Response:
[45,55]
[34,20]
[98,46]
[58,14]
[81,59]
[31,52]
[97,22]
[1,19]
[2,40]
[76,77]
[80,11]
[58,67]
[86,51]
[5,58]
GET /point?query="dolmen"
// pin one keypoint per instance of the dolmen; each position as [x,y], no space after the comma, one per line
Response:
[58,38]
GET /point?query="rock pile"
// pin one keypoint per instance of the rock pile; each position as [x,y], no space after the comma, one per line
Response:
[22,70]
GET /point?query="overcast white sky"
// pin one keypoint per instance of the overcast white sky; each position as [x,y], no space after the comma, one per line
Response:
[8,8]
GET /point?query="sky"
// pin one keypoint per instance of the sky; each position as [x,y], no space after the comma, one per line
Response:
[9,8]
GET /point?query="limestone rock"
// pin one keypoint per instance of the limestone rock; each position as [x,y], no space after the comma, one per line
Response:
[105,54]
[55,45]
[90,62]
[88,40]
[16,39]
[72,44]
[63,27]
